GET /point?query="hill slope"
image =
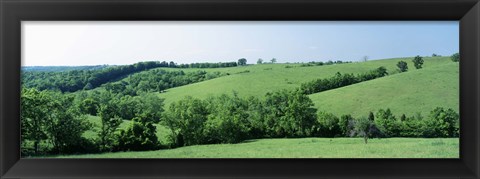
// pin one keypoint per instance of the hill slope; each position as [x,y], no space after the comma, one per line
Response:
[256,80]
[409,92]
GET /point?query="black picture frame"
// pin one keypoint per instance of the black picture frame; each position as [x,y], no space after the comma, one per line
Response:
[12,12]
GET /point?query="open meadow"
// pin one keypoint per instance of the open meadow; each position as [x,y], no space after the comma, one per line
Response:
[304,148]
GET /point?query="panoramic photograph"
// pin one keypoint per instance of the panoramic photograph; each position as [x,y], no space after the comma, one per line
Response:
[240,89]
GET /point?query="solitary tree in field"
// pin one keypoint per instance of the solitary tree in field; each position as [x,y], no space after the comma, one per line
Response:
[242,62]
[402,66]
[365,58]
[364,127]
[273,60]
[259,61]
[455,57]
[418,62]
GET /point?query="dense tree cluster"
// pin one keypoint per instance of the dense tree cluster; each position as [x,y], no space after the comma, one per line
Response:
[51,123]
[74,80]
[158,80]
[340,80]
[231,119]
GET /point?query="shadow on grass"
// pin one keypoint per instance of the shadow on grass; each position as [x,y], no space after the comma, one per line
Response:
[248,141]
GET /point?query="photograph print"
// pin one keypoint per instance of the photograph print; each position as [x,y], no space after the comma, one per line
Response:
[240,89]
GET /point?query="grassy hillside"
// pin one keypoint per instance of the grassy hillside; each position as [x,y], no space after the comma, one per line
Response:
[409,92]
[264,78]
[305,148]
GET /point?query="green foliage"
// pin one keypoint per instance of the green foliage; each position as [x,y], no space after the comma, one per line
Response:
[34,116]
[242,62]
[157,80]
[109,125]
[329,125]
[273,60]
[186,120]
[364,128]
[89,106]
[417,62]
[51,117]
[140,135]
[442,123]
[289,114]
[455,57]
[402,66]
[340,80]
[346,125]
[388,123]
[228,121]
[74,80]
[259,61]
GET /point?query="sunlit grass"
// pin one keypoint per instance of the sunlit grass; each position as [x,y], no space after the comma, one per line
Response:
[306,148]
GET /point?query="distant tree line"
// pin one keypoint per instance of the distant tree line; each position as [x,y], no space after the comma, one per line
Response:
[330,62]
[74,80]
[158,80]
[340,80]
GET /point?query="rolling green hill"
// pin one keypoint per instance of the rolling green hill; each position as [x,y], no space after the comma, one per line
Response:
[409,92]
[264,78]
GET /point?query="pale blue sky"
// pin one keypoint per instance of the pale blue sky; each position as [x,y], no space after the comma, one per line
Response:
[94,43]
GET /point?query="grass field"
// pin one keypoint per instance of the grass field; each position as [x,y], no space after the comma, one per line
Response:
[404,93]
[305,148]
[270,77]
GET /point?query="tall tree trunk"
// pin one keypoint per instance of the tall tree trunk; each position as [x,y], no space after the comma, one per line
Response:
[36,147]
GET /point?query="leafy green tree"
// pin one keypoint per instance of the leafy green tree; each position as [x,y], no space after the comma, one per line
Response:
[273,60]
[89,106]
[402,66]
[417,62]
[442,123]
[228,121]
[66,131]
[140,135]
[259,61]
[387,123]
[364,128]
[242,62]
[186,120]
[328,125]
[151,106]
[110,123]
[289,114]
[455,57]
[34,117]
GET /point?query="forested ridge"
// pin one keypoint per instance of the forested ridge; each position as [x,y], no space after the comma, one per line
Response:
[74,80]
